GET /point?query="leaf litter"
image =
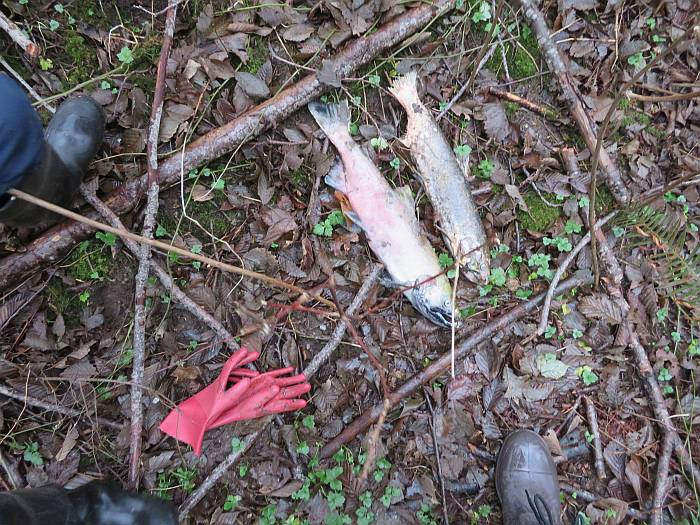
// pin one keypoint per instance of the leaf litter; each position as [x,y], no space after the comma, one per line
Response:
[68,342]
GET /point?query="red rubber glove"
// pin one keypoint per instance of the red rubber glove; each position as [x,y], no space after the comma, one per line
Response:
[252,395]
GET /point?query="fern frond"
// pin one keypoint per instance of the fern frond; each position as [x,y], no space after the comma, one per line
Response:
[664,234]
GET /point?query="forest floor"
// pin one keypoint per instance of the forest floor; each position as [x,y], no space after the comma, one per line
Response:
[66,339]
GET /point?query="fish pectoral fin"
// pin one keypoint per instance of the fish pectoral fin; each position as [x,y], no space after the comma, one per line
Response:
[354,219]
[387,281]
[336,177]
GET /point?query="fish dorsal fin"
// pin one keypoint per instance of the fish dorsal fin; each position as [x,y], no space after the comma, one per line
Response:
[336,177]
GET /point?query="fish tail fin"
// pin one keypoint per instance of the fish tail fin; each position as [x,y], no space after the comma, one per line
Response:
[331,117]
[405,89]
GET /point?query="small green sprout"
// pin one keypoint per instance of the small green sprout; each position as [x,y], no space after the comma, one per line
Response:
[379,143]
[125,56]
[484,169]
[497,276]
[325,227]
[32,454]
[463,150]
[587,374]
[231,502]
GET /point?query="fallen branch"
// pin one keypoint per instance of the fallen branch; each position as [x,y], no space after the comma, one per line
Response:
[597,444]
[31,49]
[437,368]
[572,96]
[126,234]
[56,241]
[144,254]
[51,407]
[319,360]
[661,488]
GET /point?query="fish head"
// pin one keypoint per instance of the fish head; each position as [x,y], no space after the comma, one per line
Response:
[433,299]
[477,266]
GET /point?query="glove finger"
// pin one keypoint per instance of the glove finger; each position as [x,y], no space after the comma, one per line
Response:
[293,380]
[249,408]
[243,372]
[231,396]
[279,372]
[284,405]
[293,391]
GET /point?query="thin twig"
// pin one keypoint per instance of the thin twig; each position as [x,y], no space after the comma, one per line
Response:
[19,37]
[527,104]
[661,488]
[589,497]
[544,319]
[663,98]
[597,444]
[485,53]
[206,486]
[436,446]
[126,234]
[437,368]
[52,407]
[319,360]
[144,253]
[644,368]
[572,96]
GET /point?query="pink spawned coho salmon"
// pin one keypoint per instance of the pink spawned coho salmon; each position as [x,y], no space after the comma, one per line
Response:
[444,183]
[387,217]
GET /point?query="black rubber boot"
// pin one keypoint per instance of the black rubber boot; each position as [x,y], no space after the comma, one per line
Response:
[42,506]
[526,481]
[101,503]
[73,137]
[97,503]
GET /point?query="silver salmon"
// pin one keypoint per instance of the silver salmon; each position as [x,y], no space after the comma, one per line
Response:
[387,217]
[444,183]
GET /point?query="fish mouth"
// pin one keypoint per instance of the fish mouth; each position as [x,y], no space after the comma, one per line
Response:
[439,315]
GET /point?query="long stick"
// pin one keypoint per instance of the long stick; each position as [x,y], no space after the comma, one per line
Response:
[30,48]
[144,253]
[56,241]
[439,367]
[93,224]
[319,360]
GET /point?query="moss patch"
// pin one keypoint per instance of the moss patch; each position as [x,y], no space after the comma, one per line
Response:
[518,56]
[81,56]
[541,216]
[604,201]
[257,53]
[61,301]
[90,261]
